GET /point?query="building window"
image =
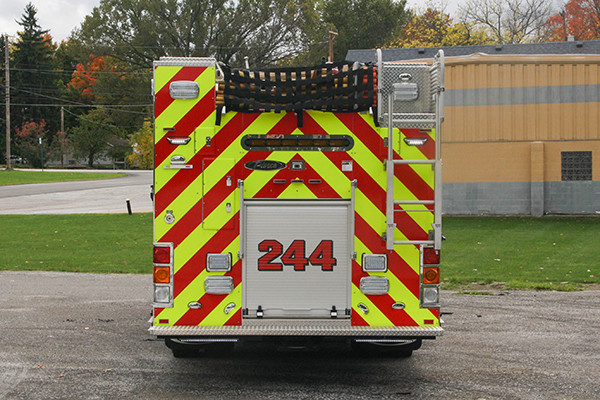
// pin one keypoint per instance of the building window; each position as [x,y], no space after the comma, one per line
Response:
[576,165]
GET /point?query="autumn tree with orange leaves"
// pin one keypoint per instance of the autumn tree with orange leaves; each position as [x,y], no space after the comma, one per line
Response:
[578,18]
[434,27]
[85,76]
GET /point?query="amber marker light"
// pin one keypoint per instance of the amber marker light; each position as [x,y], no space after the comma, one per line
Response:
[162,274]
[431,275]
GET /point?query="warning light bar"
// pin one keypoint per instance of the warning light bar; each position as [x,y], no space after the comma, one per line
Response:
[297,142]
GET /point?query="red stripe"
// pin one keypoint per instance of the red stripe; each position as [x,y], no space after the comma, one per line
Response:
[163,98]
[273,190]
[383,302]
[196,264]
[396,264]
[209,302]
[185,126]
[428,149]
[371,189]
[183,178]
[371,138]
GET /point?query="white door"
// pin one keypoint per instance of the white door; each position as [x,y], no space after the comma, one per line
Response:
[297,258]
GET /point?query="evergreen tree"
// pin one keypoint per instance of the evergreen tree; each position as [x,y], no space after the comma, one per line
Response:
[32,75]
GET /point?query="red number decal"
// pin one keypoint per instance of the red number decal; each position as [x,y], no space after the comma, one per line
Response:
[323,255]
[296,255]
[274,250]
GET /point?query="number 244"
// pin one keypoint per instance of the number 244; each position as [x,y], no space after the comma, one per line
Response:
[295,255]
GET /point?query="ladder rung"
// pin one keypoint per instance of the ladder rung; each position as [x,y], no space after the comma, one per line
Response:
[413,121]
[399,202]
[414,161]
[413,242]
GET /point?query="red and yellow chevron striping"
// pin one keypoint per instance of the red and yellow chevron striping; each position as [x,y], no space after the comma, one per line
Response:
[204,200]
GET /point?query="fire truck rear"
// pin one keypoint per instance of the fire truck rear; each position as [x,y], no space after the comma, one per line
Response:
[297,203]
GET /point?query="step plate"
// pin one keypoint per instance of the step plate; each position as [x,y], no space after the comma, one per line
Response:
[272,328]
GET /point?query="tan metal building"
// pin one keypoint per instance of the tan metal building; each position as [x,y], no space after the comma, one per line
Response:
[522,132]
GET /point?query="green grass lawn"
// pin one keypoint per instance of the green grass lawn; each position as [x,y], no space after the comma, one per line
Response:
[21,177]
[560,253]
[103,243]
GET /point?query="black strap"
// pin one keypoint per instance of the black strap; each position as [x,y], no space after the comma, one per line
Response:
[330,87]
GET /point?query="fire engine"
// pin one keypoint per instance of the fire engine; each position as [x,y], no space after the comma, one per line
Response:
[297,203]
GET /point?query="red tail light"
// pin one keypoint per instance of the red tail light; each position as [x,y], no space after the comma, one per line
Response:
[431,256]
[161,255]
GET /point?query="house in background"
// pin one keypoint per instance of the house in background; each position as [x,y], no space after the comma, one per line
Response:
[522,126]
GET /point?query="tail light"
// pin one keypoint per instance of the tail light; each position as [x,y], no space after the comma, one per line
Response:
[161,254]
[162,274]
[430,278]
[431,255]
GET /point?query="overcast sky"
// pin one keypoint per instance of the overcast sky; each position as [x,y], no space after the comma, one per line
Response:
[62,16]
[58,16]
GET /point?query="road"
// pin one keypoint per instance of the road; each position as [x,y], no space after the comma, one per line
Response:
[83,336]
[80,197]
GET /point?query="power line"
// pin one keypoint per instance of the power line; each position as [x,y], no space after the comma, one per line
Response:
[101,123]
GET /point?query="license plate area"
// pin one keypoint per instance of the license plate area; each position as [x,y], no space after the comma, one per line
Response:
[297,258]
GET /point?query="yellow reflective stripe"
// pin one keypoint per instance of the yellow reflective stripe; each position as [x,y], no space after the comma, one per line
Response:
[398,291]
[163,75]
[330,172]
[217,317]
[179,108]
[375,317]
[195,289]
[190,195]
[297,191]
[330,123]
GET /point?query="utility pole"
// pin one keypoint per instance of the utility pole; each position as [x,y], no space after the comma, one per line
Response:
[62,131]
[7,81]
[331,35]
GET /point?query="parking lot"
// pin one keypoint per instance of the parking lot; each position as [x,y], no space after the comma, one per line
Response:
[67,336]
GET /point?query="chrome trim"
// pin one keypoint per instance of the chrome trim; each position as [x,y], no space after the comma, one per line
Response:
[178,166]
[275,329]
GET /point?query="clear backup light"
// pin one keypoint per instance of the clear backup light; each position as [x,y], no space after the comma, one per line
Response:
[162,294]
[430,296]
[184,90]
[218,285]
[218,262]
[415,141]
[374,285]
[374,263]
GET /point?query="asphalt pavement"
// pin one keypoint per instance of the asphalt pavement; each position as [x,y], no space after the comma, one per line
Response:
[84,336]
[80,197]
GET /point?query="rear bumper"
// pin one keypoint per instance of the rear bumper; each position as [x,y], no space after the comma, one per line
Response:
[261,327]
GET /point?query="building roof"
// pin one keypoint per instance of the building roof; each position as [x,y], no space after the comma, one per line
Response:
[572,47]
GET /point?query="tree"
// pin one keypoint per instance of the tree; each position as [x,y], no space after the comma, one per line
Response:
[138,32]
[364,24]
[509,21]
[32,77]
[27,139]
[578,18]
[433,28]
[90,138]
[143,145]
